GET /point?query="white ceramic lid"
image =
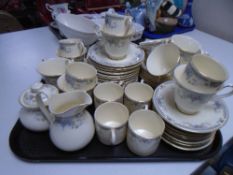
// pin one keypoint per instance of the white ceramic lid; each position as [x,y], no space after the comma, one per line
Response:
[211,118]
[28,97]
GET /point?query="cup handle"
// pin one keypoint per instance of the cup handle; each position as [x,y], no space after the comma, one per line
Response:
[47,5]
[113,136]
[128,24]
[81,47]
[48,116]
[227,94]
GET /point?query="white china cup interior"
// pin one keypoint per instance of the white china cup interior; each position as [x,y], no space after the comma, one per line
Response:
[139,92]
[111,114]
[146,124]
[186,43]
[209,68]
[81,70]
[51,68]
[108,91]
[163,59]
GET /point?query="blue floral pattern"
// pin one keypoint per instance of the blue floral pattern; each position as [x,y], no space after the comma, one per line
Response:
[213,116]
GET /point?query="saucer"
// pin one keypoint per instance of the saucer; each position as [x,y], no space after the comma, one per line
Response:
[66,87]
[211,118]
[134,56]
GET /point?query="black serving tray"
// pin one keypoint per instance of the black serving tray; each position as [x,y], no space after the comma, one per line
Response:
[37,147]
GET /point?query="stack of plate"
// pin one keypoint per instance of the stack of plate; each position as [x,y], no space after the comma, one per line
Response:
[122,71]
[188,132]
[150,79]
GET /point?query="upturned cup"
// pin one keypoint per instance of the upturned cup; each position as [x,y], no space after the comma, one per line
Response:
[187,45]
[116,47]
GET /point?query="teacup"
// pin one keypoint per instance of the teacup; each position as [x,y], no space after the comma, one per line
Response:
[108,92]
[189,98]
[162,60]
[71,48]
[78,76]
[116,47]
[119,25]
[111,122]
[187,45]
[56,9]
[138,96]
[204,71]
[50,70]
[145,129]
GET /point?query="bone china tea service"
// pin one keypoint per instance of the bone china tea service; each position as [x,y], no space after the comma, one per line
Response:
[189,110]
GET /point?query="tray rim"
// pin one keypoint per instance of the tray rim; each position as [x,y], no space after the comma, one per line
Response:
[20,155]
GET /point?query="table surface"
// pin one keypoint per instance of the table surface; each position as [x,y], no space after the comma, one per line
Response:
[20,53]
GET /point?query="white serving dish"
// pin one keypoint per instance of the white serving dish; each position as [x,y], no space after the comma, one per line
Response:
[76,26]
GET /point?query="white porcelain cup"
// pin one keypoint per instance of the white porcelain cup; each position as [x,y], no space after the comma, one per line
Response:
[50,70]
[56,9]
[203,71]
[116,47]
[80,75]
[108,92]
[191,99]
[119,25]
[163,59]
[111,122]
[145,129]
[138,96]
[71,48]
[187,45]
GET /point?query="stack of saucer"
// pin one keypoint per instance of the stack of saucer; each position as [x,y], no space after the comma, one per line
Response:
[115,57]
[121,71]
[188,132]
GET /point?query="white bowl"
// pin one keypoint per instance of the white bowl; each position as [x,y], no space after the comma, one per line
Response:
[75,26]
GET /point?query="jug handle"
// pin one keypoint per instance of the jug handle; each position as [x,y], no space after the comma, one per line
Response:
[48,116]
